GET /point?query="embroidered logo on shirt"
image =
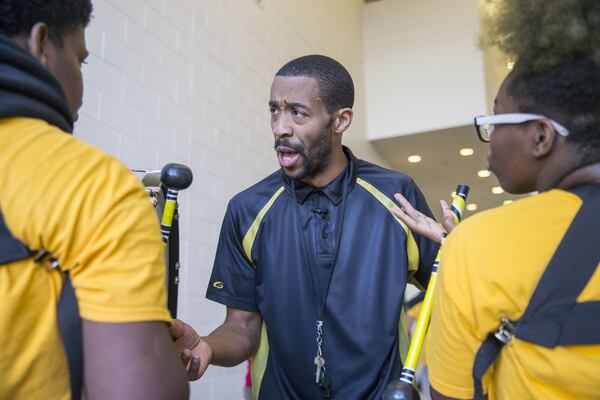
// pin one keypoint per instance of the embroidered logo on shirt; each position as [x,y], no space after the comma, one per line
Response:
[218,285]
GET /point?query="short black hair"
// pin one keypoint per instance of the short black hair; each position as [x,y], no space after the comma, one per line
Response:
[61,16]
[336,87]
[568,93]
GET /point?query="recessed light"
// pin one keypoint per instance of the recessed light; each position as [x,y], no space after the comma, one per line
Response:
[466,152]
[506,202]
[471,207]
[483,173]
[497,190]
[414,159]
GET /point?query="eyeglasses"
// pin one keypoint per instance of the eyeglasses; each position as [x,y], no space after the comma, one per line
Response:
[485,124]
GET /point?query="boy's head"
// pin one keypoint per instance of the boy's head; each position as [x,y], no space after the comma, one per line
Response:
[556,48]
[53,32]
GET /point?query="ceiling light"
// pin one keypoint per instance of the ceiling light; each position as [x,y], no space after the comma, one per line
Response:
[510,65]
[506,202]
[483,173]
[414,159]
[497,190]
[471,207]
[467,152]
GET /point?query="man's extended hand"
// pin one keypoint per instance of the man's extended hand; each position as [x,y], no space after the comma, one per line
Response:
[422,224]
[195,353]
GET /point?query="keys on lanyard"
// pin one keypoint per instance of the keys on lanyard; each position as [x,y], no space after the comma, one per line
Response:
[320,364]
[321,379]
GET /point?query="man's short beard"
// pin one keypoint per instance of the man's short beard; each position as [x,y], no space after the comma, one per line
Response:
[319,154]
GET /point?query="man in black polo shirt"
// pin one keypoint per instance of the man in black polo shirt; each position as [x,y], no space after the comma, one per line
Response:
[311,264]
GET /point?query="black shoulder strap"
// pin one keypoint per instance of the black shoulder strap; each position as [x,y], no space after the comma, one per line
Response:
[11,249]
[486,356]
[553,316]
[69,322]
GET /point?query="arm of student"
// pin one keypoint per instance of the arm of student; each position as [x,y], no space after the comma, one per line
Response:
[231,343]
[135,360]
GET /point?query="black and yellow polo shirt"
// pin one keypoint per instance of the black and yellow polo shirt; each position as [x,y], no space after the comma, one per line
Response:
[260,266]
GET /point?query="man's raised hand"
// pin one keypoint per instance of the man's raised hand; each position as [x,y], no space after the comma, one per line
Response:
[421,223]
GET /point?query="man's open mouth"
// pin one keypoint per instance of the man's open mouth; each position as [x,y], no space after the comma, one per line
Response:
[287,157]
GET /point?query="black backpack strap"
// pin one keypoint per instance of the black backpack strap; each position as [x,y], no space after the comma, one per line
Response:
[69,324]
[582,326]
[553,317]
[486,356]
[11,249]
[69,321]
[488,353]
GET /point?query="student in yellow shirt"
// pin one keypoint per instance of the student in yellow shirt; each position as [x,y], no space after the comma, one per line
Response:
[71,217]
[524,278]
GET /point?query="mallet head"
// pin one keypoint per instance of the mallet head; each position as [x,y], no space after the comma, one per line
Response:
[176,176]
[398,390]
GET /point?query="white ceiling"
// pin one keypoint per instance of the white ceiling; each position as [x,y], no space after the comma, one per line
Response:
[442,168]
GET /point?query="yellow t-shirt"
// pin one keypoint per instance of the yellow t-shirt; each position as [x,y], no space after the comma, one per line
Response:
[63,195]
[490,266]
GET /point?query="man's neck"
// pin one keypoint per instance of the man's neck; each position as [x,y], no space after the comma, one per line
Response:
[336,166]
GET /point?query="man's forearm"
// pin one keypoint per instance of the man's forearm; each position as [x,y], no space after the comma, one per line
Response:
[232,345]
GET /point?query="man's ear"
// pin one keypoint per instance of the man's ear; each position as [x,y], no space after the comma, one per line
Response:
[38,42]
[544,139]
[342,120]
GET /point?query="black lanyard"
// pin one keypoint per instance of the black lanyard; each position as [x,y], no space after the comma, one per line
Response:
[313,276]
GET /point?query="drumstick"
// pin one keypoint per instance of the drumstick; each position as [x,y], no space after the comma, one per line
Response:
[174,177]
[403,388]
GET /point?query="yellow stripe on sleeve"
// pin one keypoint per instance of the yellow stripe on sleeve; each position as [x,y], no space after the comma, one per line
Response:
[250,236]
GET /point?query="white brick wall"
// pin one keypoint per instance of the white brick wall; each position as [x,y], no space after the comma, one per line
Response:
[188,81]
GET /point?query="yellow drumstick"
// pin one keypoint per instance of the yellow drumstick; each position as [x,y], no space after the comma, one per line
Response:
[403,388]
